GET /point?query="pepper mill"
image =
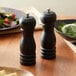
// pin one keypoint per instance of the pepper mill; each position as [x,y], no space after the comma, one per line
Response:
[27,44]
[48,39]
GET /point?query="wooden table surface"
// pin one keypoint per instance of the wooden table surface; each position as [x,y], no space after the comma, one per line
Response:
[63,65]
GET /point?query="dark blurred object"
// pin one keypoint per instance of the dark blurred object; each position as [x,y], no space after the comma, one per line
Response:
[48,39]
[27,45]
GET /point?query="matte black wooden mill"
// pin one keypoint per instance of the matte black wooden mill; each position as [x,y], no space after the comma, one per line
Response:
[48,39]
[27,45]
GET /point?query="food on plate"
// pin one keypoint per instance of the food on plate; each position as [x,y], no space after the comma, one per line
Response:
[60,26]
[11,74]
[4,73]
[68,29]
[8,19]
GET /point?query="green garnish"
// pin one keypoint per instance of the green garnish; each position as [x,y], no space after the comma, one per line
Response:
[1,21]
[60,26]
[68,29]
[17,21]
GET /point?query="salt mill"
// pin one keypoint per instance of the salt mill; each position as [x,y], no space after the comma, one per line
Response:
[27,44]
[48,39]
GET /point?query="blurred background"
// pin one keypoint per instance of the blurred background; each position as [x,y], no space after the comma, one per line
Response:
[61,7]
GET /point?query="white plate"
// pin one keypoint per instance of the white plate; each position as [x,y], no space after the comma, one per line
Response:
[18,71]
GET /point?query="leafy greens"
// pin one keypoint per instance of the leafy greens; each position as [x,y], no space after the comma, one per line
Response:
[68,29]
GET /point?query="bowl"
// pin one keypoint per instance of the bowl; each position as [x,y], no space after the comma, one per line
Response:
[66,21]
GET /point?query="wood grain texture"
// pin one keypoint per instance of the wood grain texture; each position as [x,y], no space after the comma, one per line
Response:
[63,65]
